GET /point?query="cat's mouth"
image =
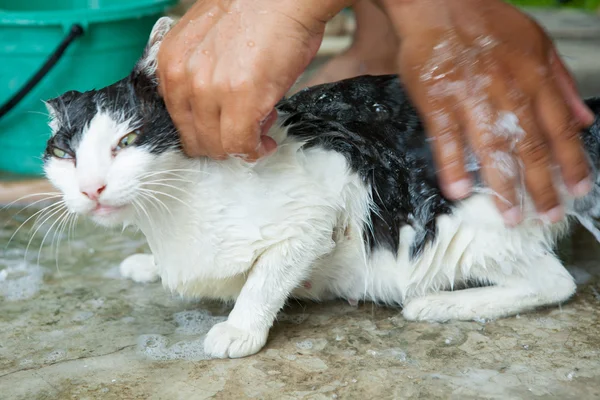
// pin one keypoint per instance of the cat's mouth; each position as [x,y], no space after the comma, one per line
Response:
[102,210]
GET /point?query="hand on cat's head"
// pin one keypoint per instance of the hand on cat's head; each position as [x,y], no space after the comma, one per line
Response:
[223,68]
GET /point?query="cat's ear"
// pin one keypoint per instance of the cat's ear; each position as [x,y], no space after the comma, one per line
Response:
[54,121]
[56,107]
[147,64]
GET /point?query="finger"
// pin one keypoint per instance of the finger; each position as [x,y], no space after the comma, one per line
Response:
[499,168]
[240,127]
[176,97]
[268,121]
[483,116]
[532,149]
[447,146]
[535,154]
[568,88]
[435,100]
[207,123]
[268,143]
[563,133]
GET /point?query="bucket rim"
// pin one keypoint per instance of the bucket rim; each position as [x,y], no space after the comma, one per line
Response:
[131,10]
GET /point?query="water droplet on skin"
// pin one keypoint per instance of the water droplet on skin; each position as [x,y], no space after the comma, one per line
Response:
[210,14]
[250,43]
[205,52]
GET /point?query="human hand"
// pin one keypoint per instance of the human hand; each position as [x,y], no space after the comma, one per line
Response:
[481,72]
[225,64]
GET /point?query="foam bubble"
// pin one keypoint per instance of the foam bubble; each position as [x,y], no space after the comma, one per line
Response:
[195,322]
[507,125]
[55,356]
[20,281]
[305,345]
[505,164]
[154,347]
[82,316]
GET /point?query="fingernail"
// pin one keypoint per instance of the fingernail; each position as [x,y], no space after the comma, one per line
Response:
[512,216]
[267,145]
[459,189]
[589,117]
[582,188]
[554,215]
[268,121]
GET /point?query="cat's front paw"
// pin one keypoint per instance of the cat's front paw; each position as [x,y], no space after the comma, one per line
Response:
[428,308]
[139,268]
[225,340]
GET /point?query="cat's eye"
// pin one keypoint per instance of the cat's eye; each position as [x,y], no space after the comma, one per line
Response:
[127,140]
[59,153]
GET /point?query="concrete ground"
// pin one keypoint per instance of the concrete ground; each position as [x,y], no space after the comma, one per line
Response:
[72,328]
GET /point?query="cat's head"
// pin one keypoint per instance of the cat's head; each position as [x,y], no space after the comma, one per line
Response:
[107,143]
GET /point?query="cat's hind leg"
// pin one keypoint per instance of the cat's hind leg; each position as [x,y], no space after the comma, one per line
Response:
[140,268]
[540,282]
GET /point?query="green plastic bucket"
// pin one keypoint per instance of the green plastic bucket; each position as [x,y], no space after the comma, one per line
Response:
[588,5]
[83,44]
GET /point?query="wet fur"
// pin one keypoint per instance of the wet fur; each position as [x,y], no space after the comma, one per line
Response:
[348,207]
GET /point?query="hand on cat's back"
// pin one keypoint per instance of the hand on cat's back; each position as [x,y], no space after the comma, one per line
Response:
[484,73]
[480,72]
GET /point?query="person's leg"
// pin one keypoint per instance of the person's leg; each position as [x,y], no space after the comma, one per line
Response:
[373,51]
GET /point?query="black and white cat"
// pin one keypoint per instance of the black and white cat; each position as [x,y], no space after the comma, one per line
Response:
[347,207]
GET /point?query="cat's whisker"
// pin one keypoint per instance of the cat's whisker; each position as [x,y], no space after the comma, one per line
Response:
[173,172]
[43,215]
[58,232]
[158,192]
[72,229]
[171,180]
[167,185]
[156,200]
[58,221]
[149,220]
[193,170]
[151,200]
[31,205]
[51,194]
[39,113]
[53,213]
[141,206]
[42,211]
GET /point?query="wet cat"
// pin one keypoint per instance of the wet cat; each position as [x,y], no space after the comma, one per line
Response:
[347,207]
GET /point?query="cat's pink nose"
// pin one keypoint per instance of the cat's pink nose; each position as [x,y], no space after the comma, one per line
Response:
[93,192]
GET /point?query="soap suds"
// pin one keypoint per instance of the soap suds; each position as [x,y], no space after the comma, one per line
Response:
[20,280]
[305,345]
[154,347]
[55,356]
[196,322]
